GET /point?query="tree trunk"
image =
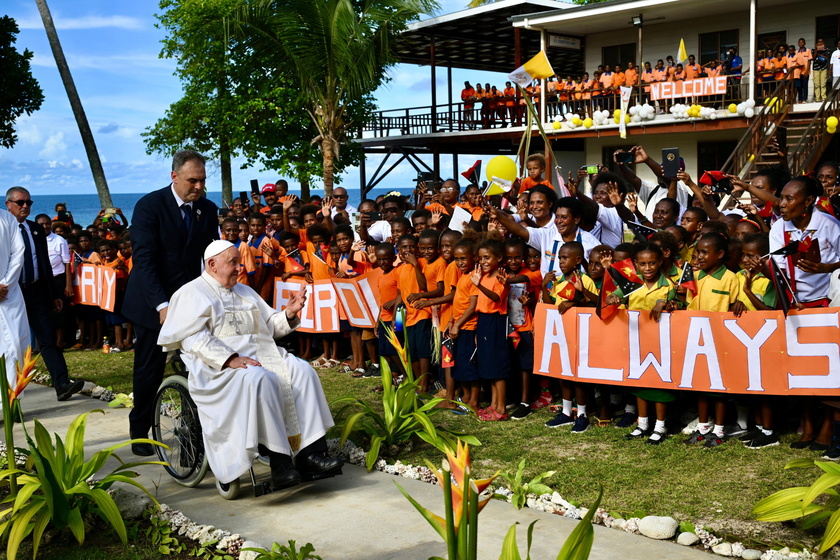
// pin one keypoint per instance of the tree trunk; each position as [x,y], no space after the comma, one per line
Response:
[227,176]
[328,145]
[76,105]
[304,187]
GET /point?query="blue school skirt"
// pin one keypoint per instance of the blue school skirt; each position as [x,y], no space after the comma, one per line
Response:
[493,349]
[465,368]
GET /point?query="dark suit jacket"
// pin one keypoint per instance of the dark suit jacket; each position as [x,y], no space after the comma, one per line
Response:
[45,274]
[164,256]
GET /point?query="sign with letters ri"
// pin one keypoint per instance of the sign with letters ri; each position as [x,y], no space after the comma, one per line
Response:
[688,88]
[761,352]
[328,301]
[95,285]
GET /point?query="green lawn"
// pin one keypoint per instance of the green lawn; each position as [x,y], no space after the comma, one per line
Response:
[715,487]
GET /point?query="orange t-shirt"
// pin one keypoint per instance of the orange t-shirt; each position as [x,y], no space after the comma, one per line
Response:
[247,264]
[631,77]
[527,183]
[485,304]
[659,74]
[434,273]
[692,71]
[607,79]
[476,211]
[437,206]
[680,76]
[510,92]
[463,292]
[619,78]
[387,292]
[407,284]
[450,281]
[362,264]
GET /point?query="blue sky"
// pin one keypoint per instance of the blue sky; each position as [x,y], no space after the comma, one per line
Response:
[112,49]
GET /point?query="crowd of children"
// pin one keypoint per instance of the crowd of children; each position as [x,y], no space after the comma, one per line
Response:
[465,294]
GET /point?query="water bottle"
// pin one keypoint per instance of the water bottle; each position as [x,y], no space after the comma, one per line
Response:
[106,346]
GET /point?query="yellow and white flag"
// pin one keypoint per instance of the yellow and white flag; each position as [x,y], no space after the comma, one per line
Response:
[538,68]
[682,55]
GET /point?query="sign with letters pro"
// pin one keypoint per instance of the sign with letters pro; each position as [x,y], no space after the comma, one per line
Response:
[761,352]
[688,88]
[95,285]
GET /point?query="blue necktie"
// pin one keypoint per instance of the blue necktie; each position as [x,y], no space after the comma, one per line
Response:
[28,265]
[187,215]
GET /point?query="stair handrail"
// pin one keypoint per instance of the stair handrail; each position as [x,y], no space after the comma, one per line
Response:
[810,147]
[761,129]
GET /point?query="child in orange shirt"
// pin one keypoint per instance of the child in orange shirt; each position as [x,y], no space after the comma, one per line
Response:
[461,327]
[266,250]
[491,325]
[351,262]
[524,293]
[108,250]
[385,258]
[247,266]
[535,164]
[296,262]
[411,281]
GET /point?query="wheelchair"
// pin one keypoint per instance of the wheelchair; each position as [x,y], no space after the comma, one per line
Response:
[176,424]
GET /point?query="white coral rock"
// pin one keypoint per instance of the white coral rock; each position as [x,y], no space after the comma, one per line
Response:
[658,527]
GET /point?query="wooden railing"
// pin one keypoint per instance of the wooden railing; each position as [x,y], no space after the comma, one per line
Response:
[814,140]
[457,117]
[762,129]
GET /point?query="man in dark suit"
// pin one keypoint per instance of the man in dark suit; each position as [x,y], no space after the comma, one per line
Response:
[36,283]
[170,229]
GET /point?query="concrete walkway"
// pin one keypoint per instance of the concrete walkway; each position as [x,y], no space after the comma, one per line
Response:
[356,516]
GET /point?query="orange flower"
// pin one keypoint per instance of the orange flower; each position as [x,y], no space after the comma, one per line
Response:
[402,352]
[24,375]
[459,465]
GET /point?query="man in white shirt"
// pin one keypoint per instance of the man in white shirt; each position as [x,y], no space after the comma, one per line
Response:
[650,192]
[340,202]
[548,243]
[379,231]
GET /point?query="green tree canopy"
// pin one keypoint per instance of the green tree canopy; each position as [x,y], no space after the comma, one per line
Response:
[335,52]
[19,90]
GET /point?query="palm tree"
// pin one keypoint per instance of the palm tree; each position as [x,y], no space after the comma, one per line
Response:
[76,105]
[337,51]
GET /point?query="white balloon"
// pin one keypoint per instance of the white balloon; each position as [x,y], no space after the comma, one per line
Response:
[634,110]
[750,103]
[713,115]
[606,114]
[749,112]
[636,118]
[741,109]
[557,118]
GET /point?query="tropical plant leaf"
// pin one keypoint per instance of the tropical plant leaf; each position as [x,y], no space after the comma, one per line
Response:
[42,518]
[816,518]
[819,486]
[800,464]
[828,466]
[538,489]
[436,521]
[109,512]
[509,549]
[373,452]
[76,525]
[832,532]
[20,528]
[784,505]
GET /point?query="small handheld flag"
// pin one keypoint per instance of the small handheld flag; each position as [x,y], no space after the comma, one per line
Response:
[447,353]
[783,289]
[640,231]
[473,173]
[604,311]
[624,276]
[787,250]
[682,55]
[687,280]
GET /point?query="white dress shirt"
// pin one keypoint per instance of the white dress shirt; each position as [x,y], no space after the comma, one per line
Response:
[59,253]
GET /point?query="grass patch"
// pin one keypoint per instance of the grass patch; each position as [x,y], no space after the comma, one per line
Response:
[715,488]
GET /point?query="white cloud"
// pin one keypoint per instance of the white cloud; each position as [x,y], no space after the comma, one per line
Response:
[84,22]
[54,146]
[28,133]
[76,163]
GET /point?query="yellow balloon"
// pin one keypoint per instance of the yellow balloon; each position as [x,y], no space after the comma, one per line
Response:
[628,119]
[733,108]
[831,129]
[576,121]
[752,157]
[617,119]
[556,125]
[617,113]
[502,167]
[587,122]
[831,122]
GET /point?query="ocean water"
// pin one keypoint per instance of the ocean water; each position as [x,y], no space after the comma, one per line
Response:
[85,207]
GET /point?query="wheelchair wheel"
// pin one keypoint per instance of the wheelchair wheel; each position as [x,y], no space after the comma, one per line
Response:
[228,491]
[176,424]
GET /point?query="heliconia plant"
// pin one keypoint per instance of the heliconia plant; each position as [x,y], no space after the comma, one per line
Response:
[463,502]
[11,405]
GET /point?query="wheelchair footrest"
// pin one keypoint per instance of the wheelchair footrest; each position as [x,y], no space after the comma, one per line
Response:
[262,489]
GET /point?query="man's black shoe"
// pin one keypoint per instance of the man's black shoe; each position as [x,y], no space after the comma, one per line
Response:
[317,466]
[143,449]
[68,388]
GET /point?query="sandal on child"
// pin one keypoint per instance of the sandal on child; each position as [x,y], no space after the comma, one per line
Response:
[331,364]
[345,369]
[358,373]
[601,423]
[319,363]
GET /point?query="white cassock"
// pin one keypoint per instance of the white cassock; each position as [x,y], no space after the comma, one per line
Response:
[280,404]
[14,325]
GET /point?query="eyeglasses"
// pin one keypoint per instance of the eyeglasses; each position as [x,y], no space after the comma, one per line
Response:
[340,196]
[447,189]
[390,210]
[22,202]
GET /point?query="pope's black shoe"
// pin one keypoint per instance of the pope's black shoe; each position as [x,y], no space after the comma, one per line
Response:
[317,466]
[283,473]
[143,449]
